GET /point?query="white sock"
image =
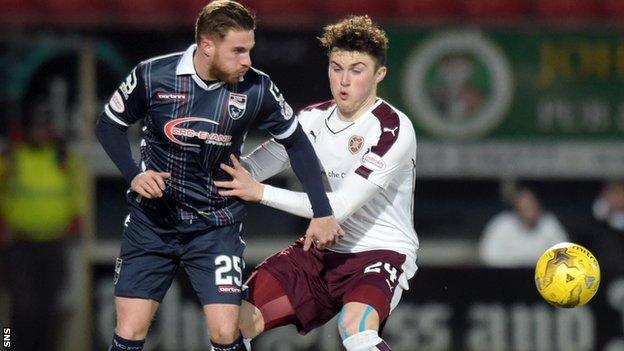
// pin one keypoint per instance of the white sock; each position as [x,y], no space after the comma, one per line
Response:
[362,341]
[247,342]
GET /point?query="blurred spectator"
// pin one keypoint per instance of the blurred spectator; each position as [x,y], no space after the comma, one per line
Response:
[517,238]
[604,235]
[41,198]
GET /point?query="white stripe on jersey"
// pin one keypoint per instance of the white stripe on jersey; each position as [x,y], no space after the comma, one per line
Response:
[288,132]
[114,118]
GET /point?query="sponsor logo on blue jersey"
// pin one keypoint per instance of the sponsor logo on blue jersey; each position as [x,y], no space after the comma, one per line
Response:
[173,132]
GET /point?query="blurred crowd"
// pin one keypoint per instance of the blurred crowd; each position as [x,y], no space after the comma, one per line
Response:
[42,200]
[518,236]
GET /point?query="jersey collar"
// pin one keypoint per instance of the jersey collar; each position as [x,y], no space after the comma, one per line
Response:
[336,125]
[186,67]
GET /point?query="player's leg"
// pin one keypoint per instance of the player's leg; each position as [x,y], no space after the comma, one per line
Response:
[287,288]
[143,273]
[369,299]
[358,324]
[266,305]
[213,261]
[133,320]
[222,323]
[251,320]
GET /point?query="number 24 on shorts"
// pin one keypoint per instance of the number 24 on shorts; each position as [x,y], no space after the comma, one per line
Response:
[376,268]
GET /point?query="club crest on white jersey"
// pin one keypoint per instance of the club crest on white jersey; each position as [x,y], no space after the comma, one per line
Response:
[355,144]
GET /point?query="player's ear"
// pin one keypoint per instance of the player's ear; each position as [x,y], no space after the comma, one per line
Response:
[206,45]
[381,74]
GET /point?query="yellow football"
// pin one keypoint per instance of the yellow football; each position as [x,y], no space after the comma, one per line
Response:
[567,275]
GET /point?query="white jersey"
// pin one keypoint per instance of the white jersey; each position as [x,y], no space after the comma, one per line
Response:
[380,146]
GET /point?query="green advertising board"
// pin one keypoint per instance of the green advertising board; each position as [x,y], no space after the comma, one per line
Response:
[509,102]
[474,84]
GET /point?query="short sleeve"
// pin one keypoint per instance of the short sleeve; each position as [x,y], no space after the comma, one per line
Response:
[276,116]
[129,102]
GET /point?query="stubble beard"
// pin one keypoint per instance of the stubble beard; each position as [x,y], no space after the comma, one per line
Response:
[221,74]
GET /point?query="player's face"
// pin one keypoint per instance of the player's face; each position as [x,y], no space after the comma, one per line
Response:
[231,56]
[353,81]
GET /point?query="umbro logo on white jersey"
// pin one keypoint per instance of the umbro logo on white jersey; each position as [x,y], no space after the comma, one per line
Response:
[386,129]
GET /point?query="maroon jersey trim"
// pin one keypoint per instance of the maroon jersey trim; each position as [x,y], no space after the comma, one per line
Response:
[390,127]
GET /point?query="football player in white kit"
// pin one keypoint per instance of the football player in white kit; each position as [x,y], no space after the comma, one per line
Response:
[367,150]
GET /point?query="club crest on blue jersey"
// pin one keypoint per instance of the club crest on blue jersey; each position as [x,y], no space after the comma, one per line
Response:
[237,104]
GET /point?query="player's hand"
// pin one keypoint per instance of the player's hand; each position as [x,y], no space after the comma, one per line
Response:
[150,184]
[323,232]
[242,184]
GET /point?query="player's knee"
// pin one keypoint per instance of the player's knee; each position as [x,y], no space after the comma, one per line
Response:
[251,320]
[131,331]
[252,328]
[134,317]
[355,319]
[224,334]
[348,323]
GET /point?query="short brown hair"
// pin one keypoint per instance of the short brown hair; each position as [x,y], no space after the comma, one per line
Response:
[219,16]
[356,33]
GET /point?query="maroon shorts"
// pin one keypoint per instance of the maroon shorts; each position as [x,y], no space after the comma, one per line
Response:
[319,282]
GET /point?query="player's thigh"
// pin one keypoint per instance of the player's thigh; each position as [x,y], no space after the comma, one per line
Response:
[301,276]
[146,265]
[214,263]
[134,316]
[266,305]
[372,290]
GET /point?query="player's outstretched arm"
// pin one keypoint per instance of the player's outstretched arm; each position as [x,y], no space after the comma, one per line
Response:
[322,230]
[323,227]
[353,193]
[305,165]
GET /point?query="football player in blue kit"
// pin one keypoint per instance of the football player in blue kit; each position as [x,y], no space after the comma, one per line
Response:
[196,107]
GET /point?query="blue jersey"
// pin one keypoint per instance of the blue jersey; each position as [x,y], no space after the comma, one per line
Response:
[192,126]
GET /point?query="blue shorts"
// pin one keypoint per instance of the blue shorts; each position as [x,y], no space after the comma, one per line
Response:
[150,256]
